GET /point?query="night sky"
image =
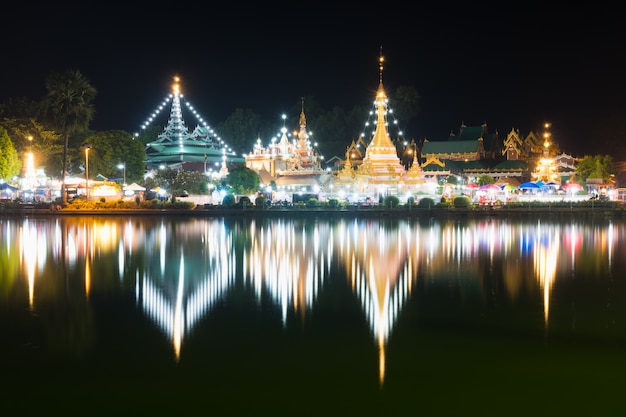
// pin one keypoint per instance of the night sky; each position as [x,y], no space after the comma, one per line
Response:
[511,68]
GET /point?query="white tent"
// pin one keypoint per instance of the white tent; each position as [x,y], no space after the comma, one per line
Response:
[134,187]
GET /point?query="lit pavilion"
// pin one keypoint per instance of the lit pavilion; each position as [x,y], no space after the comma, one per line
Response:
[201,150]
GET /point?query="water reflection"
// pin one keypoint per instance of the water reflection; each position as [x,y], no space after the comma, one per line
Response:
[180,269]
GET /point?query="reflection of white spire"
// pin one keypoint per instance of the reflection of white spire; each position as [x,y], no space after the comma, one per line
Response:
[179,322]
[178,313]
[162,247]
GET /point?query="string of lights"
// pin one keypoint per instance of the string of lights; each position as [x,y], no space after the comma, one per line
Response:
[166,104]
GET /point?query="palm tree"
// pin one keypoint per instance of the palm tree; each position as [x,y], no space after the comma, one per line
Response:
[68,108]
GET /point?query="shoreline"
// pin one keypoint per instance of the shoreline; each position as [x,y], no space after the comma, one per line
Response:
[358,212]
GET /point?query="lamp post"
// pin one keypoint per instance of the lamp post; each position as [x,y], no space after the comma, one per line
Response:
[123,166]
[87,147]
[30,166]
[28,181]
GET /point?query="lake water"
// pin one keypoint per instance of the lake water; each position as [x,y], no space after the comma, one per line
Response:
[225,316]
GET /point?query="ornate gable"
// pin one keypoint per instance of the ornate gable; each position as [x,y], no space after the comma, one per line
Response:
[433,160]
[513,146]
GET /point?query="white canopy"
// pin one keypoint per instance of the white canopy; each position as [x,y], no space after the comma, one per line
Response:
[134,187]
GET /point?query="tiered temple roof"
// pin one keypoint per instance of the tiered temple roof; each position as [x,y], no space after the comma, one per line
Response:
[179,149]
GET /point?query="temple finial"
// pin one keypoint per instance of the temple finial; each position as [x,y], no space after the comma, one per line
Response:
[381,59]
[176,85]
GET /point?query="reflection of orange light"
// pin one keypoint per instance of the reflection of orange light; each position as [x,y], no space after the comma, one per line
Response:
[87,275]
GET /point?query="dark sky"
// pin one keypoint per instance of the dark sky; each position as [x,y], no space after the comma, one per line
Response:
[509,67]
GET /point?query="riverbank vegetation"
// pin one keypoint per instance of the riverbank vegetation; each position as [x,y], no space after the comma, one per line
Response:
[389,204]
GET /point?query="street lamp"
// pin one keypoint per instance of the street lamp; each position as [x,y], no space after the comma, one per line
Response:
[87,147]
[123,166]
[30,161]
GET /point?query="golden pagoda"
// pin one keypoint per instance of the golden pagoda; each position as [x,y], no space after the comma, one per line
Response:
[345,177]
[381,172]
[415,180]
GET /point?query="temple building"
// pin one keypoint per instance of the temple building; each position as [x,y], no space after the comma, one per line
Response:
[376,170]
[470,153]
[537,158]
[476,152]
[292,166]
[546,169]
[177,148]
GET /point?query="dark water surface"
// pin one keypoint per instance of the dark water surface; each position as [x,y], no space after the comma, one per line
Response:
[132,315]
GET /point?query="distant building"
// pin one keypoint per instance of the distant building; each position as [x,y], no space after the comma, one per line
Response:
[470,153]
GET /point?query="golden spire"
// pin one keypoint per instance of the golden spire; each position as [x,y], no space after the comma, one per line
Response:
[381,136]
[302,117]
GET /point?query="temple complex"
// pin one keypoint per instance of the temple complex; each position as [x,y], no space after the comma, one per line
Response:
[370,170]
[373,168]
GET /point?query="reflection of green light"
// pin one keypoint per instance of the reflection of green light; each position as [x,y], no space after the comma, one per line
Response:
[10,266]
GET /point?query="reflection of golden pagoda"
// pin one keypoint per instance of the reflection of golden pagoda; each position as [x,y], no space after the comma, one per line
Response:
[381,171]
[381,267]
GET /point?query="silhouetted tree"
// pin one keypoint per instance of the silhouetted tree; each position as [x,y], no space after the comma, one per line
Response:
[68,108]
